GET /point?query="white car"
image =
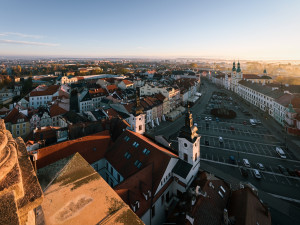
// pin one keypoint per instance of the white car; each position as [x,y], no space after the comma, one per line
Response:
[256,174]
[246,162]
[260,166]
[209,118]
[221,140]
[195,124]
[280,152]
[206,118]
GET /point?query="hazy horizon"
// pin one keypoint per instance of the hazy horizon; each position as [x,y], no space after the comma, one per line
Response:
[228,30]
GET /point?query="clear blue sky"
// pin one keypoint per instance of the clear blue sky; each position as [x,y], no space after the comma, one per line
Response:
[266,29]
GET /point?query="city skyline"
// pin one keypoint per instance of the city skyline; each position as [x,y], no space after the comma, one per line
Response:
[235,30]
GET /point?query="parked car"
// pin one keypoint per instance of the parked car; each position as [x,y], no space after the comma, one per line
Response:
[246,162]
[206,118]
[209,118]
[195,124]
[232,159]
[231,127]
[244,172]
[280,152]
[260,166]
[207,142]
[283,170]
[217,119]
[221,140]
[245,122]
[256,174]
[297,172]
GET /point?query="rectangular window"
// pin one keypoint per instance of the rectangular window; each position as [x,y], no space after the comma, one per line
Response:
[153,211]
[111,170]
[162,199]
[119,178]
[185,157]
[167,197]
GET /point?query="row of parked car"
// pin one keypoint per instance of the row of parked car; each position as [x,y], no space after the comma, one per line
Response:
[260,166]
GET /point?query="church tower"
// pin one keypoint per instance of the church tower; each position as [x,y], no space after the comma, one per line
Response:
[189,142]
[233,77]
[137,116]
[239,74]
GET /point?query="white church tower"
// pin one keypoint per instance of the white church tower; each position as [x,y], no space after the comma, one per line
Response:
[137,116]
[189,143]
[236,76]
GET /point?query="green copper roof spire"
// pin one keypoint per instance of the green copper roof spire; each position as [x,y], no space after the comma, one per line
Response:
[233,67]
[238,67]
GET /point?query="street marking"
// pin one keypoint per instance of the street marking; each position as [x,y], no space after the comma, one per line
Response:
[266,156]
[227,164]
[285,198]
[288,181]
[255,142]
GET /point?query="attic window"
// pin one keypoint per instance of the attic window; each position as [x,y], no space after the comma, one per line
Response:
[135,144]
[138,164]
[127,155]
[126,138]
[146,151]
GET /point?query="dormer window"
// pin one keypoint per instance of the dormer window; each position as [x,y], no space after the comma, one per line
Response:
[138,164]
[146,151]
[135,144]
[127,155]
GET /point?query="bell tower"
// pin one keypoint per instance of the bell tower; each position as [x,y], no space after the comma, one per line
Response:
[189,142]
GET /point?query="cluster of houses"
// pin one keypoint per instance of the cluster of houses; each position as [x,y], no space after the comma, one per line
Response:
[281,102]
[60,107]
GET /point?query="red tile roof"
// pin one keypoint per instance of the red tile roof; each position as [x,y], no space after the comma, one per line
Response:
[127,82]
[80,78]
[158,156]
[49,91]
[133,188]
[209,210]
[111,87]
[14,115]
[45,133]
[296,102]
[55,110]
[250,76]
[92,148]
[247,209]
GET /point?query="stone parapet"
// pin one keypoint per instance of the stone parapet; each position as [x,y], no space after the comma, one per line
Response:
[20,191]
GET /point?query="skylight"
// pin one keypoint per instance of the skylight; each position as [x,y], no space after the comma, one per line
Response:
[146,151]
[138,164]
[126,138]
[127,155]
[135,144]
